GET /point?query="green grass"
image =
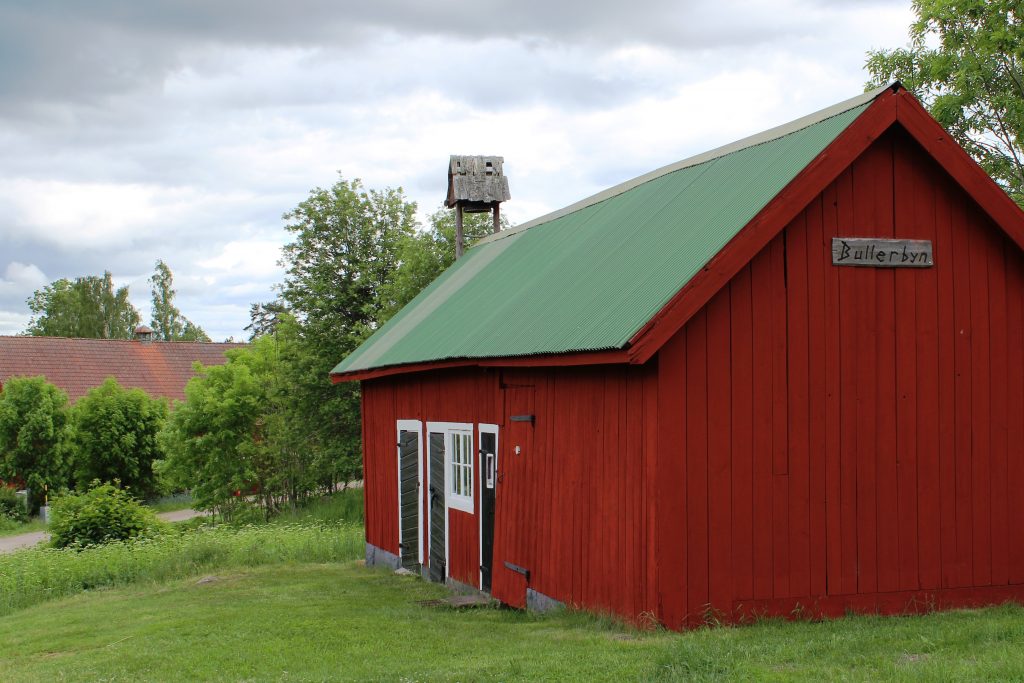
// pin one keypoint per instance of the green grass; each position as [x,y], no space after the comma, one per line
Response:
[28,577]
[34,524]
[343,622]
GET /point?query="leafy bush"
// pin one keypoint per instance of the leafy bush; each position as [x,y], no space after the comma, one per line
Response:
[12,507]
[28,577]
[103,514]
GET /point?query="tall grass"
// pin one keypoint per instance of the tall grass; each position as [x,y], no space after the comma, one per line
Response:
[32,576]
[343,506]
[171,503]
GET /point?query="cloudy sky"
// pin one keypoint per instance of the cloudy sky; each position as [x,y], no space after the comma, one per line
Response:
[182,130]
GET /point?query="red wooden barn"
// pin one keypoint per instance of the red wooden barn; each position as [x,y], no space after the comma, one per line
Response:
[678,399]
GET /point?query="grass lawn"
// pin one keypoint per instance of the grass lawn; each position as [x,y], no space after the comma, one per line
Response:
[340,621]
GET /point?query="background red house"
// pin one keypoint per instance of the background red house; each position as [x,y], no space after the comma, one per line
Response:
[690,410]
[77,365]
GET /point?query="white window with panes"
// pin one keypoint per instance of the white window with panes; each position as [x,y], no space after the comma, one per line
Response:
[460,469]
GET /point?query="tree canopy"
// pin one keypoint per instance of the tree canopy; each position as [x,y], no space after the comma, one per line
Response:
[167,321]
[343,254]
[236,432]
[216,441]
[264,317]
[965,62]
[89,307]
[114,435]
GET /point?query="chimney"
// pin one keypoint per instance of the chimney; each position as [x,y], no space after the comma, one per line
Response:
[475,184]
[143,334]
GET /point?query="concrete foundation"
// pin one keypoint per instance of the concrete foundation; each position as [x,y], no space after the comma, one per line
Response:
[538,602]
[378,557]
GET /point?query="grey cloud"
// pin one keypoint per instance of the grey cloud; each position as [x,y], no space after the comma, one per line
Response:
[86,52]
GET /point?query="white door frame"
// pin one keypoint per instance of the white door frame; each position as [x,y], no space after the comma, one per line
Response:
[446,428]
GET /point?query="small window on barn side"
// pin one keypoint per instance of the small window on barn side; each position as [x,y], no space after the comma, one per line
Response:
[461,470]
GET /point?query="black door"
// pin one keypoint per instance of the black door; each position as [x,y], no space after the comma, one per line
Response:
[408,504]
[488,479]
[437,503]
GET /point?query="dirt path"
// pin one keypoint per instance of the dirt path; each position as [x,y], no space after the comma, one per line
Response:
[8,544]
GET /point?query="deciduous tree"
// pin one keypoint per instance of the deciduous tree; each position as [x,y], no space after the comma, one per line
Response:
[167,321]
[114,434]
[965,62]
[89,307]
[33,435]
[344,251]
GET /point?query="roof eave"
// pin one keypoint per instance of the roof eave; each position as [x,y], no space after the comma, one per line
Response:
[598,357]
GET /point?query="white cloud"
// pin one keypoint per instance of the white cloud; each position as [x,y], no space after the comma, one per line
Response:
[253,258]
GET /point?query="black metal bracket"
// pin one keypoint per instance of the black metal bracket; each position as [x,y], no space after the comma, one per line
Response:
[519,570]
[524,418]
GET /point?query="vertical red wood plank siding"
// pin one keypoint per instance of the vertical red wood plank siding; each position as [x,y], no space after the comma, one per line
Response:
[962,390]
[780,423]
[906,324]
[670,482]
[849,360]
[947,429]
[816,436]
[999,393]
[866,282]
[649,487]
[1015,408]
[632,462]
[798,389]
[838,581]
[818,361]
[917,203]
[719,430]
[980,406]
[697,467]
[763,571]
[885,391]
[742,362]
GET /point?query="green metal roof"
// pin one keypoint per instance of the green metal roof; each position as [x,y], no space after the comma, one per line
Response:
[589,276]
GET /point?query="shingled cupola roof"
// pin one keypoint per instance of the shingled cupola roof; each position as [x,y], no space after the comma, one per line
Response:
[476,182]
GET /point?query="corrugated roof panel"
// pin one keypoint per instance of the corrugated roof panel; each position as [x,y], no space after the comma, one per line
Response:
[589,279]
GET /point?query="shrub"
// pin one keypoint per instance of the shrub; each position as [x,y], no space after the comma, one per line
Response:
[103,514]
[12,507]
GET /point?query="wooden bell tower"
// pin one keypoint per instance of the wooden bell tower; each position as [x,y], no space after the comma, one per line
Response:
[475,184]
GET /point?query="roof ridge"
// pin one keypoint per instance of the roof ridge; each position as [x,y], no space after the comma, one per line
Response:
[781,131]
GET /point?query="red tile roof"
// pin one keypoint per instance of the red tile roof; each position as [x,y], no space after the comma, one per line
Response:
[77,365]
